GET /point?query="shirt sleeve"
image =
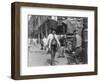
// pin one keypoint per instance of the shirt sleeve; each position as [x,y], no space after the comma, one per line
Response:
[57,40]
[48,40]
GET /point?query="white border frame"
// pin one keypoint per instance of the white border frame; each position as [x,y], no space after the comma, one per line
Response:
[24,70]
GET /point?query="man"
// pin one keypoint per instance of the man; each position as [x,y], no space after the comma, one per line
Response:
[62,43]
[77,43]
[53,44]
[44,43]
[50,38]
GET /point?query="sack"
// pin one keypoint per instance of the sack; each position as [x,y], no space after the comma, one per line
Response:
[54,41]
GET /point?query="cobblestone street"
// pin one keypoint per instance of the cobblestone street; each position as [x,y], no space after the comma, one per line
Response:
[38,57]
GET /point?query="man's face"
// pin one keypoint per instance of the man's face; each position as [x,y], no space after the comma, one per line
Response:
[53,32]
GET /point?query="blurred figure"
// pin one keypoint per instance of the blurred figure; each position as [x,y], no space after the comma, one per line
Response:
[62,43]
[44,43]
[50,38]
[53,44]
[77,46]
